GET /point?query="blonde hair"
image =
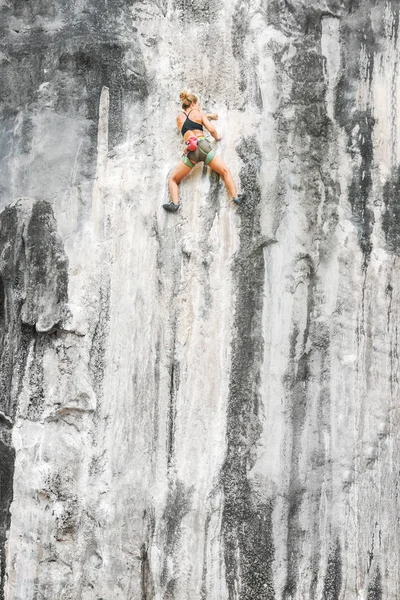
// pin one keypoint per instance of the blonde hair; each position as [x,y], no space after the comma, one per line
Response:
[187,99]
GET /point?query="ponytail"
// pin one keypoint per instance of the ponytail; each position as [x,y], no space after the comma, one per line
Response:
[187,99]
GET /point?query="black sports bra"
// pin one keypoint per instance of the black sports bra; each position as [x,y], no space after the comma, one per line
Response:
[189,125]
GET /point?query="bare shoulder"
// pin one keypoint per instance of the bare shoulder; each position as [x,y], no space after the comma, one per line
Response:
[197,116]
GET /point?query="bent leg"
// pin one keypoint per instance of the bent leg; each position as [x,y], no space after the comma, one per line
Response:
[218,165]
[179,172]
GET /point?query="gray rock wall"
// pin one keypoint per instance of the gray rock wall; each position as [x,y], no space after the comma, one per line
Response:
[202,405]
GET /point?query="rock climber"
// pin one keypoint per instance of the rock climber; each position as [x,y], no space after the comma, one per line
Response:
[191,123]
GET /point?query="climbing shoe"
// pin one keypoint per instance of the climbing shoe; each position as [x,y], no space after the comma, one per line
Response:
[171,207]
[240,199]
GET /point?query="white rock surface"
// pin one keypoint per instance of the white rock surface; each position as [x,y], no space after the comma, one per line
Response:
[199,406]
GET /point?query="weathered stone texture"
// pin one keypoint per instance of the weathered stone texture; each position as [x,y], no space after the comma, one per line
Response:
[204,405]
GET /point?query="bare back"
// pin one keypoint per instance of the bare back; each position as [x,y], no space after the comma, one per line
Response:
[196,116]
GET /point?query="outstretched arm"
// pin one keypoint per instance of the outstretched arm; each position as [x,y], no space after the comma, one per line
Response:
[210,127]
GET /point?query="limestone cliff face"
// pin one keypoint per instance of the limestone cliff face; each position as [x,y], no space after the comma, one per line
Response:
[204,405]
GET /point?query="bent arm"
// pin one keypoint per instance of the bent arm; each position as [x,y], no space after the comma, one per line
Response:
[210,127]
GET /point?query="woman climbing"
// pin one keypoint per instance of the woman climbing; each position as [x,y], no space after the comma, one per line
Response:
[191,124]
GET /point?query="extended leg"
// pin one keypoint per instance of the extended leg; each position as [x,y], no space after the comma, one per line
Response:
[179,172]
[218,165]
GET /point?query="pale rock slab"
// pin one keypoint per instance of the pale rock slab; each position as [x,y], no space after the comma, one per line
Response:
[202,405]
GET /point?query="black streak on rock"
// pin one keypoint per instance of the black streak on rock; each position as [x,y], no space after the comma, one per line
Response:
[353,6]
[146,576]
[319,473]
[375,587]
[47,265]
[358,124]
[178,505]
[33,270]
[240,26]
[300,19]
[2,312]
[13,288]
[170,590]
[98,348]
[61,70]
[247,513]
[32,263]
[36,378]
[7,459]
[395,25]
[247,64]
[197,10]
[306,71]
[304,133]
[93,66]
[296,382]
[174,385]
[333,577]
[204,572]
[360,148]
[391,213]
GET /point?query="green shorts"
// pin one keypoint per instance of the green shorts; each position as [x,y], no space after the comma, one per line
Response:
[204,152]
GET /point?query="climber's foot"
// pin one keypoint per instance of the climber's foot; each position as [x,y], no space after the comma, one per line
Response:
[240,199]
[171,207]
